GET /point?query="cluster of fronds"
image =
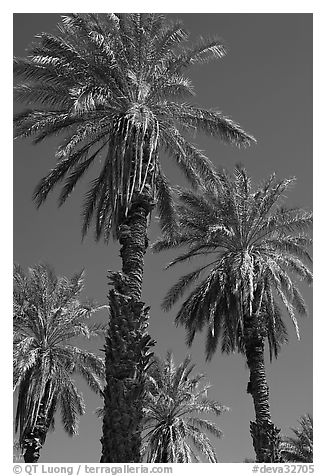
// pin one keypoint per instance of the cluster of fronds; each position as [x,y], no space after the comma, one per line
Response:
[114,85]
[299,449]
[47,315]
[174,426]
[253,249]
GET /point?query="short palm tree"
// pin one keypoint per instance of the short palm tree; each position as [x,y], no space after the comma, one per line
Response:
[253,249]
[47,315]
[174,426]
[299,449]
[114,85]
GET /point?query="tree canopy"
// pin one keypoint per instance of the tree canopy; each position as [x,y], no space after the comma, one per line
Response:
[254,249]
[48,315]
[114,85]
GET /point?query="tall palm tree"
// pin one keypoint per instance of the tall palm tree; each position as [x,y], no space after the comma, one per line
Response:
[174,426]
[253,249]
[114,85]
[299,449]
[47,315]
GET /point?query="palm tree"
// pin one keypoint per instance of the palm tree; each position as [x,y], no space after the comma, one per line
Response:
[114,85]
[47,315]
[299,449]
[174,427]
[254,248]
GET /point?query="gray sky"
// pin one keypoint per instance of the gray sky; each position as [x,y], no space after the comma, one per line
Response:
[265,84]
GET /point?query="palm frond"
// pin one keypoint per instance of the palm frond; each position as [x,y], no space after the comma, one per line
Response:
[165,205]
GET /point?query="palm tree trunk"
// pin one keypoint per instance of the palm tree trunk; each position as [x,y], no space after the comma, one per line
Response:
[265,434]
[35,439]
[127,347]
[32,447]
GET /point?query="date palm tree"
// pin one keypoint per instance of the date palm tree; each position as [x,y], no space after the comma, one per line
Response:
[174,426]
[114,86]
[174,405]
[299,449]
[252,249]
[47,316]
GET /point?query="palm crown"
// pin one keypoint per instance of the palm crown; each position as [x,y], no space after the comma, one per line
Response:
[174,426]
[47,315]
[114,83]
[256,247]
[300,447]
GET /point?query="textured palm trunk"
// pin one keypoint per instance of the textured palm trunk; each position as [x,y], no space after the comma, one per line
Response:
[127,347]
[35,439]
[32,447]
[265,434]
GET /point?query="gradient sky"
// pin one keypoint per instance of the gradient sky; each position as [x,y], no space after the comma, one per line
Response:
[264,84]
